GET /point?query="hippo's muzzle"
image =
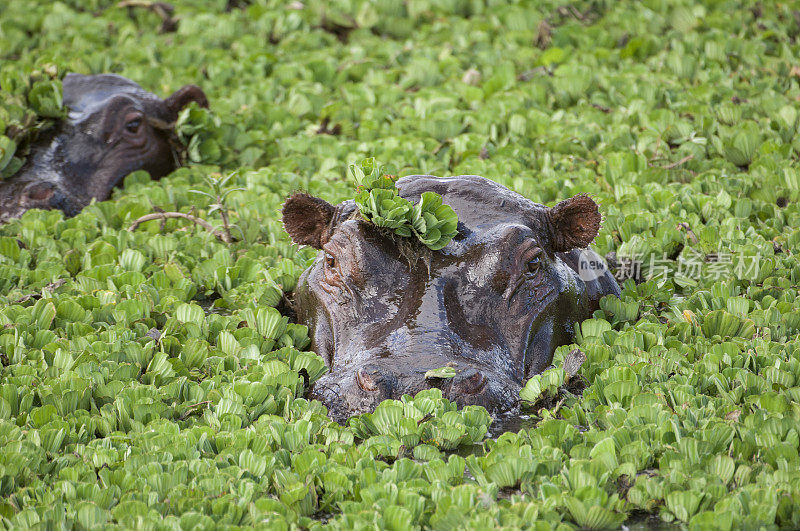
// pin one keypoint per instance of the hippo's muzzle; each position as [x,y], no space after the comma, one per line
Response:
[398,365]
[48,195]
[365,387]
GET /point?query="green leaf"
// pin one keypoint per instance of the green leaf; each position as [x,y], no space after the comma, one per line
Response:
[132,260]
[441,372]
[433,223]
[45,98]
[90,516]
[7,149]
[43,314]
[722,467]
[9,248]
[190,313]
[683,504]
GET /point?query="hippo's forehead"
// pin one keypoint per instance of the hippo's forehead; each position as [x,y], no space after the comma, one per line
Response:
[493,221]
[483,207]
[86,95]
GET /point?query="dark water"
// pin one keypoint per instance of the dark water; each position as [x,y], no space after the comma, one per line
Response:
[514,423]
[208,307]
[644,521]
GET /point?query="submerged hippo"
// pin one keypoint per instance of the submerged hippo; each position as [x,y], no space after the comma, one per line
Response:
[494,303]
[114,127]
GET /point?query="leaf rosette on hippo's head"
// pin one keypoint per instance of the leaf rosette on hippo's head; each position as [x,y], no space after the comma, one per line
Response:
[378,201]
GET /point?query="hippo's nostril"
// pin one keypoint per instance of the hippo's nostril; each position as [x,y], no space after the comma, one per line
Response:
[366,381]
[472,384]
[40,192]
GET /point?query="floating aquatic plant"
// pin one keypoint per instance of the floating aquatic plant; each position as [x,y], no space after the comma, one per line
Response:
[441,372]
[426,418]
[378,200]
[145,381]
[30,101]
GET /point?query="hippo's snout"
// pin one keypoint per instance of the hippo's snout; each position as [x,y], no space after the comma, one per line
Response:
[67,203]
[374,379]
[39,193]
[49,195]
[478,388]
[473,382]
[358,390]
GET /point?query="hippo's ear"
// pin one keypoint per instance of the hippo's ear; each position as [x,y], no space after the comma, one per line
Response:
[306,219]
[574,223]
[184,96]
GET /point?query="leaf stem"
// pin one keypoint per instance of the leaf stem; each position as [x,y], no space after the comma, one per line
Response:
[225,237]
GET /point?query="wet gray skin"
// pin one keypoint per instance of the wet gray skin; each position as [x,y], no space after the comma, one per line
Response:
[114,128]
[494,303]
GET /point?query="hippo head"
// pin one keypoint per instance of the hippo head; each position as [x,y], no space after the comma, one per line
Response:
[493,304]
[114,128]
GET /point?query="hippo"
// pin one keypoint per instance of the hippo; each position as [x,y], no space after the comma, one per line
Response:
[114,127]
[493,304]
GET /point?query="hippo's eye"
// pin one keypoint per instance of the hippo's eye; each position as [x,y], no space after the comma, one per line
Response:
[133,125]
[330,261]
[532,259]
[533,263]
